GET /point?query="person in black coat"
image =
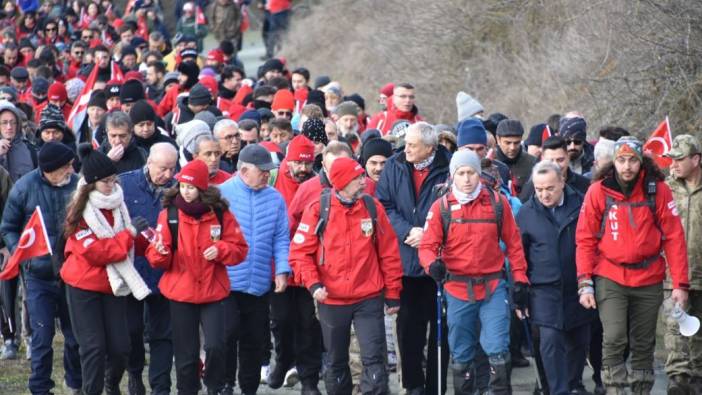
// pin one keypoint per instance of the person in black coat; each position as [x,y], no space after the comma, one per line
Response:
[556,150]
[547,223]
[120,145]
[146,130]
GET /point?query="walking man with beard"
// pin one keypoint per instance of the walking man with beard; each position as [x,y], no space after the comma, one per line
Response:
[293,320]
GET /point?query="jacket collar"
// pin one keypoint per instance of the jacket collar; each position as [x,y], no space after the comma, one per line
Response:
[241,184]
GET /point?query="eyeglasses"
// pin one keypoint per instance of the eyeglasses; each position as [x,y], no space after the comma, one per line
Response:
[8,123]
[51,29]
[574,141]
[230,137]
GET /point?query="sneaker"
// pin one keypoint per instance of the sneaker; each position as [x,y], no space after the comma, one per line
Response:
[291,378]
[9,350]
[265,371]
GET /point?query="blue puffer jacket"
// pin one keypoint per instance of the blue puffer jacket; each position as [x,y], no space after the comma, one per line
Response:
[549,247]
[30,191]
[263,219]
[142,200]
[395,190]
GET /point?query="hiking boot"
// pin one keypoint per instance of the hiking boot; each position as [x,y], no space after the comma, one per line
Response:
[9,350]
[265,371]
[291,378]
[310,389]
[463,379]
[679,385]
[518,361]
[135,385]
[228,390]
[276,377]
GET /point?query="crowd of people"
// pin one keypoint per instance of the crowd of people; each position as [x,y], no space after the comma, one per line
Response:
[269,229]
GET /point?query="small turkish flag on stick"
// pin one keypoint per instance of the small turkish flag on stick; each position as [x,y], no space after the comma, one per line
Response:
[659,144]
[33,242]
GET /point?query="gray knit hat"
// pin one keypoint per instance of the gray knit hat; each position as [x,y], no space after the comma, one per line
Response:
[467,106]
[465,158]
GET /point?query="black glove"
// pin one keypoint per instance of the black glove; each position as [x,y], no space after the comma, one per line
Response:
[437,270]
[140,224]
[520,296]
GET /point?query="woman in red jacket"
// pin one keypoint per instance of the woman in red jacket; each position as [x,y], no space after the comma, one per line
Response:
[98,271]
[195,278]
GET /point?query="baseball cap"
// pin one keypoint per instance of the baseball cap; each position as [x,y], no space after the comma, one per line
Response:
[684,145]
[258,156]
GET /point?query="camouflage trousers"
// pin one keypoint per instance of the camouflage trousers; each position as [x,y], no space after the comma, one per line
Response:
[684,353]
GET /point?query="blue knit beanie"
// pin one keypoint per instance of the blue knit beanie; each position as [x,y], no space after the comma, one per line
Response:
[471,131]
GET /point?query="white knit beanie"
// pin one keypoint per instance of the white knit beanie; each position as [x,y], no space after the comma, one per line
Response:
[466,106]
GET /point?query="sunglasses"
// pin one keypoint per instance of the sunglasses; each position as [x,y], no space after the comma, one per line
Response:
[51,29]
[576,142]
[284,114]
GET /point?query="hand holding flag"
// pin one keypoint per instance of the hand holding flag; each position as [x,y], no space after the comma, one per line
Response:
[33,242]
[659,144]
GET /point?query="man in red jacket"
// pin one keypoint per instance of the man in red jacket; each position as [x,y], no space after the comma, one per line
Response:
[293,320]
[401,107]
[351,268]
[628,221]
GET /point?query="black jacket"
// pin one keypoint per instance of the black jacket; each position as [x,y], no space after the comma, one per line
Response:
[134,156]
[549,247]
[579,183]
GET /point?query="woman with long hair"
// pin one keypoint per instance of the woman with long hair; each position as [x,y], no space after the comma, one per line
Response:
[98,271]
[194,255]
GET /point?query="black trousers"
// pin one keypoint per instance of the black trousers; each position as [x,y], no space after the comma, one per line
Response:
[8,307]
[150,319]
[248,333]
[368,321]
[297,333]
[417,310]
[186,320]
[100,326]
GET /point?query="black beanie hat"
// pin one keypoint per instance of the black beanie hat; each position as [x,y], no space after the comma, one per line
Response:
[142,111]
[52,156]
[52,117]
[191,70]
[95,164]
[535,135]
[317,97]
[314,130]
[199,95]
[376,147]
[131,91]
[98,99]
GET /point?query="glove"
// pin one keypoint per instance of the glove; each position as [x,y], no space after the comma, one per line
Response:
[437,270]
[140,224]
[521,296]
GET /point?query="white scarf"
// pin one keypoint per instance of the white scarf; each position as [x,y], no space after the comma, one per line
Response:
[465,198]
[123,276]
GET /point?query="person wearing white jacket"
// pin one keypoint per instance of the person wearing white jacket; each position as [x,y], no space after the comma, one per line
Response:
[99,271]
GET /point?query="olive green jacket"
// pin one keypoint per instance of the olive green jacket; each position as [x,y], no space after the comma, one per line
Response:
[689,204]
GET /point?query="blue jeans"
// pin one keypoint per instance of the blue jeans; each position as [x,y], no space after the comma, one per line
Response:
[462,318]
[46,301]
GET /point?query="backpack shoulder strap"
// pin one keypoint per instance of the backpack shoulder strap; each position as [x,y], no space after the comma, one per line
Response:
[445,215]
[609,202]
[372,211]
[324,206]
[173,225]
[498,208]
[220,215]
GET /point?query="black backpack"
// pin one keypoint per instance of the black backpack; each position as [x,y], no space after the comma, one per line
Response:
[325,206]
[650,192]
[173,223]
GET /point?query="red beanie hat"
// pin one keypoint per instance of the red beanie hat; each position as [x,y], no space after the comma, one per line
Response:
[300,149]
[217,55]
[211,84]
[134,75]
[196,174]
[343,171]
[283,100]
[271,147]
[387,89]
[57,91]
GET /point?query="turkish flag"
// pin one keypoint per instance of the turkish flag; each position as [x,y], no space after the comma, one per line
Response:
[200,16]
[545,134]
[659,144]
[33,242]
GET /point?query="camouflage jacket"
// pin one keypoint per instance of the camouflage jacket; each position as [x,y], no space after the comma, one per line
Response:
[689,204]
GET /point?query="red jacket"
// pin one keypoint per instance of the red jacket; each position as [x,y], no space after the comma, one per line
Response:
[286,185]
[187,276]
[310,191]
[354,268]
[169,101]
[220,177]
[630,236]
[87,256]
[473,249]
[384,120]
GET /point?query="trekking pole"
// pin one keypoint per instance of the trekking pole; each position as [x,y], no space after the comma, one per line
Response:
[530,343]
[439,313]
